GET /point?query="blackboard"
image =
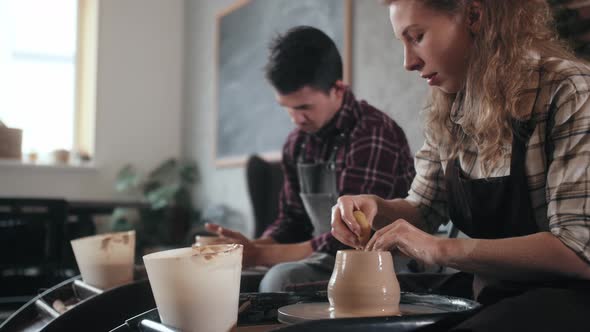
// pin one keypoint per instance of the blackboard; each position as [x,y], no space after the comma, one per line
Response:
[249,120]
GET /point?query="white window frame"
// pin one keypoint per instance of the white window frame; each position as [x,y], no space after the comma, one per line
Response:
[86,64]
[84,85]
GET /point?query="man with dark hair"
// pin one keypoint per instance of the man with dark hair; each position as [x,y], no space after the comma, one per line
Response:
[304,56]
[340,146]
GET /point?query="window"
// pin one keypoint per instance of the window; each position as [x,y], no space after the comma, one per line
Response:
[40,72]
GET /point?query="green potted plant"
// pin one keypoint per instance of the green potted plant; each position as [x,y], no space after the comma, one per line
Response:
[169,214]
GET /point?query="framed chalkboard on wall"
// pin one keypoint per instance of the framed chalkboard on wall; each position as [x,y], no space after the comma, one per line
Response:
[249,120]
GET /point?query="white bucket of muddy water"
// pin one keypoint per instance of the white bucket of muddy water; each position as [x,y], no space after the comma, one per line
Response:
[198,288]
[106,260]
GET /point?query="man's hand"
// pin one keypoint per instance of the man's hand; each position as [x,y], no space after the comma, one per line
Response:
[251,251]
[263,254]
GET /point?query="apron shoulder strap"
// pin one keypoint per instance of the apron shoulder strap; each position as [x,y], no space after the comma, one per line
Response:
[301,150]
[339,140]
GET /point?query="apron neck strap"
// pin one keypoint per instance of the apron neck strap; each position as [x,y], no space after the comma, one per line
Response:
[338,141]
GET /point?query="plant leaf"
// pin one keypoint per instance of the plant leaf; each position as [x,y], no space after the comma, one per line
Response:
[188,173]
[127,179]
[162,196]
[165,169]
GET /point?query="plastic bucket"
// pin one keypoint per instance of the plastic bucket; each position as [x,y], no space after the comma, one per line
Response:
[106,260]
[198,288]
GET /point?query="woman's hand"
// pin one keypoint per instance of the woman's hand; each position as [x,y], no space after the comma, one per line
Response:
[345,227]
[409,240]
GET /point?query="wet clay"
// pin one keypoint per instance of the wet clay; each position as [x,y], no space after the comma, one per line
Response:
[117,238]
[209,252]
[363,283]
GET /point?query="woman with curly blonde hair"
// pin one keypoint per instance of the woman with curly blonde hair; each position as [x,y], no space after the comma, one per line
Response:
[506,159]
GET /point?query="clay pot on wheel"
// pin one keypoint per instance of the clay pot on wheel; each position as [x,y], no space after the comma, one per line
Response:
[363,284]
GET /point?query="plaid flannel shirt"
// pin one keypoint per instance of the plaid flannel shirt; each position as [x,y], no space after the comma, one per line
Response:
[376,160]
[557,157]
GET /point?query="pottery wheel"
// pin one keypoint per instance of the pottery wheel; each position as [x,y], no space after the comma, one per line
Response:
[410,304]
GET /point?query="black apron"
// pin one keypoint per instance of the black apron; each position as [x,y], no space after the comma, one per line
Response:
[493,208]
[497,208]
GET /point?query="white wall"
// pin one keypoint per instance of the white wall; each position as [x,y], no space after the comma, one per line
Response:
[378,72]
[139,101]
[149,109]
[378,76]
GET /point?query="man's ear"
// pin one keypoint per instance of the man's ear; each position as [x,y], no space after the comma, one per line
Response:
[474,16]
[339,88]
